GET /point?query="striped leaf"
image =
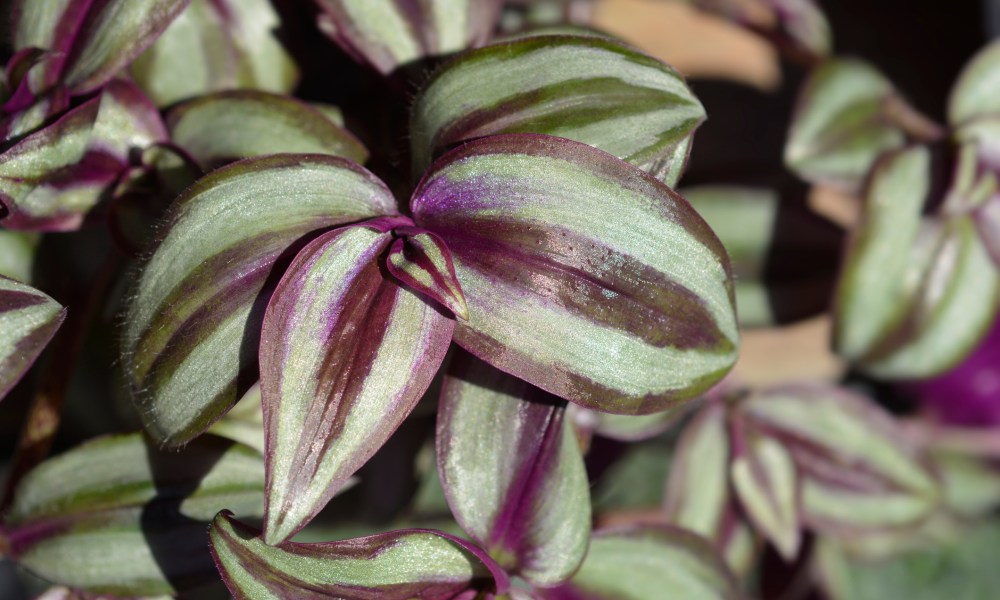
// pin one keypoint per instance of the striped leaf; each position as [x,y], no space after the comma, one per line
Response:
[589,89]
[389,34]
[345,355]
[193,322]
[52,178]
[216,45]
[858,470]
[840,127]
[422,261]
[512,471]
[398,565]
[583,275]
[640,563]
[28,320]
[117,516]
[95,39]
[227,126]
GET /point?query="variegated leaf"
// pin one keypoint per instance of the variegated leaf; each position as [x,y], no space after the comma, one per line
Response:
[192,325]
[589,89]
[27,100]
[389,34]
[640,563]
[216,45]
[345,355]
[52,178]
[858,471]
[421,260]
[28,320]
[512,471]
[223,127]
[117,516]
[244,422]
[398,565]
[583,275]
[840,126]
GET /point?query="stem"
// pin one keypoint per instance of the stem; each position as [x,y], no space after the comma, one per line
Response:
[910,120]
[45,410]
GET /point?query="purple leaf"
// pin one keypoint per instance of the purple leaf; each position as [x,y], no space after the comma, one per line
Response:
[422,262]
[345,355]
[28,320]
[583,275]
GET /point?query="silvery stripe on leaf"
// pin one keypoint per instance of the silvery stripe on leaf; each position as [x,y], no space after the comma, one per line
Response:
[858,469]
[52,178]
[345,355]
[422,261]
[398,565]
[193,322]
[512,471]
[839,127]
[97,38]
[973,96]
[388,34]
[28,320]
[28,100]
[136,525]
[640,563]
[226,126]
[216,45]
[583,275]
[589,89]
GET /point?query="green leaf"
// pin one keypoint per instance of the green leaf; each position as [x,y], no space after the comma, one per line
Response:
[17,254]
[971,484]
[973,96]
[118,516]
[589,89]
[28,320]
[244,422]
[192,325]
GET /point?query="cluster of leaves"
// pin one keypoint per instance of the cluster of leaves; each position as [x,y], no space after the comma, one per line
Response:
[524,272]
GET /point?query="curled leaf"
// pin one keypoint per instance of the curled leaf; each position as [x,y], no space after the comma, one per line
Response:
[422,261]
[28,320]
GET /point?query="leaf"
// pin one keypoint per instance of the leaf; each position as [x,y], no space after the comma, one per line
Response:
[117,516]
[217,45]
[648,562]
[244,423]
[858,471]
[589,89]
[839,128]
[226,126]
[192,325]
[51,179]
[390,35]
[971,485]
[398,565]
[512,471]
[17,254]
[422,262]
[623,428]
[797,25]
[345,356]
[28,320]
[583,275]
[972,96]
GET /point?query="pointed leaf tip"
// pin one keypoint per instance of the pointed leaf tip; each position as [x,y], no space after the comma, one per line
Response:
[28,320]
[422,261]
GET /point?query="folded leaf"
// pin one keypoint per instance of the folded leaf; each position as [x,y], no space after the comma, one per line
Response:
[512,471]
[583,275]
[840,127]
[345,355]
[118,516]
[223,127]
[28,320]
[422,262]
[216,45]
[399,565]
[393,34]
[589,89]
[192,326]
[648,562]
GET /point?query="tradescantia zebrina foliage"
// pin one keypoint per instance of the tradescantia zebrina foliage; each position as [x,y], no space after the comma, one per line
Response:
[28,320]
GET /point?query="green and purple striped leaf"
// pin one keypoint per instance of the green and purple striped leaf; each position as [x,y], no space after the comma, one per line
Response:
[94,40]
[193,322]
[227,126]
[117,516]
[840,126]
[589,89]
[858,471]
[28,320]
[422,261]
[389,34]
[345,355]
[216,45]
[398,565]
[640,563]
[51,179]
[512,471]
[26,99]
[583,275]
